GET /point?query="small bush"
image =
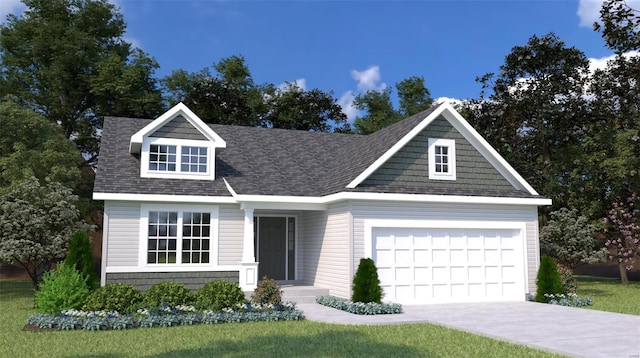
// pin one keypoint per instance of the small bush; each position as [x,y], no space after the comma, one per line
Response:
[168,293]
[267,292]
[548,280]
[366,284]
[113,297]
[569,300]
[217,295]
[81,257]
[61,289]
[569,282]
[361,308]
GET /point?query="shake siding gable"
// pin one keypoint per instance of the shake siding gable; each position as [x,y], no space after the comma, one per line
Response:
[178,128]
[124,226]
[410,165]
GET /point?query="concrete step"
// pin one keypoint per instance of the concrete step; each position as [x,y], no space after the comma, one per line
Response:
[302,294]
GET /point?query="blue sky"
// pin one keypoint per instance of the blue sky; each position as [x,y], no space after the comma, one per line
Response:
[352,46]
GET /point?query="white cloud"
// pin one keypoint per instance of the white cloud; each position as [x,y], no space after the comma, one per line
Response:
[453,101]
[589,10]
[10,7]
[346,102]
[368,79]
[601,63]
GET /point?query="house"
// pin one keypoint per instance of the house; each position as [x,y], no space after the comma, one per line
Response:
[442,214]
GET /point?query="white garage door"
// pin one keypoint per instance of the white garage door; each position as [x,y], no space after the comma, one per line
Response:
[420,265]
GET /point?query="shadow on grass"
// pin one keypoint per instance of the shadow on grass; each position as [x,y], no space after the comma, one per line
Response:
[15,289]
[338,343]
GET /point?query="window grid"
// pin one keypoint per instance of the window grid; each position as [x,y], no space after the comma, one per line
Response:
[162,158]
[196,232]
[442,159]
[162,237]
[193,159]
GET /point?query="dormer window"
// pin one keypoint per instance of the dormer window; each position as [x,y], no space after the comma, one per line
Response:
[176,158]
[442,159]
[193,159]
[162,158]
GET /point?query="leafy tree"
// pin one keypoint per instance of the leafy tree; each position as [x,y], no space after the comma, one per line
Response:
[413,96]
[62,289]
[66,60]
[620,24]
[569,238]
[366,284]
[36,225]
[623,239]
[548,280]
[31,146]
[535,114]
[81,257]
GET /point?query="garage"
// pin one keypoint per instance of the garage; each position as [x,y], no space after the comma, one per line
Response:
[439,265]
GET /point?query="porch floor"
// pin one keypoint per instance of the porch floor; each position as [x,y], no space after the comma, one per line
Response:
[301,293]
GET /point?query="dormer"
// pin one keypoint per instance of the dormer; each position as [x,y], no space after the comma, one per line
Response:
[178,145]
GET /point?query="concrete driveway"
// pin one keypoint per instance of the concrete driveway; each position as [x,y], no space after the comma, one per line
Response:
[565,330]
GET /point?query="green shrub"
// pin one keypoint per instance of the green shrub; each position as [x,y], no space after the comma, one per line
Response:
[370,308]
[267,292]
[366,284]
[217,295]
[80,255]
[569,282]
[169,293]
[113,297]
[548,280]
[61,289]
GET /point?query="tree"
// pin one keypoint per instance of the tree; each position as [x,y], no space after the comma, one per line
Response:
[366,284]
[623,234]
[81,257]
[31,146]
[535,114]
[548,281]
[67,60]
[569,238]
[620,24]
[413,97]
[36,225]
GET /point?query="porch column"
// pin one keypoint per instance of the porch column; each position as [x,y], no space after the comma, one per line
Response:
[248,265]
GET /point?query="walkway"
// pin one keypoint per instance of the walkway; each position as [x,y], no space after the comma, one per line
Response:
[565,330]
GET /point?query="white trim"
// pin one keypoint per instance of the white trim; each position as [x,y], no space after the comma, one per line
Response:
[171,268]
[143,235]
[135,143]
[319,202]
[467,131]
[145,172]
[105,241]
[450,144]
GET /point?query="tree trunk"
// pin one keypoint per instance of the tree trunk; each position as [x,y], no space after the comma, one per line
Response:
[623,273]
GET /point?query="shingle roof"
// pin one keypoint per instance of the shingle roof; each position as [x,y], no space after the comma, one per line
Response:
[260,161]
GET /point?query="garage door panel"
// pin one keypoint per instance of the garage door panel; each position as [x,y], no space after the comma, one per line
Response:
[422,265]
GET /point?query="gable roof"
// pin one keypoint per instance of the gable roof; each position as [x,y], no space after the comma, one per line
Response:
[287,163]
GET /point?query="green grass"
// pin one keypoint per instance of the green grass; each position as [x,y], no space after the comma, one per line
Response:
[610,295]
[263,339]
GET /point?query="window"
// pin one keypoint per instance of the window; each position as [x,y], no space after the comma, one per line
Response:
[442,159]
[175,237]
[177,158]
[162,157]
[194,159]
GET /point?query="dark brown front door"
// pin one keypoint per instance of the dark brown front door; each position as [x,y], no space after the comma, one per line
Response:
[272,247]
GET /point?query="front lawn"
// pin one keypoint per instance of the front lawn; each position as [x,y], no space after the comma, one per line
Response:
[261,339]
[609,294]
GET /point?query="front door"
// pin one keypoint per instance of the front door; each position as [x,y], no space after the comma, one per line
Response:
[272,247]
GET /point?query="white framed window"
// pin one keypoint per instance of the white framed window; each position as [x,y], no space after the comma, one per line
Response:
[177,158]
[442,159]
[178,235]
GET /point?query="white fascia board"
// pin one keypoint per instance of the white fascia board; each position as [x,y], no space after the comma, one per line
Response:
[171,268]
[165,198]
[436,198]
[480,144]
[396,147]
[135,144]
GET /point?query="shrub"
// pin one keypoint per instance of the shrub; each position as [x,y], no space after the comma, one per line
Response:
[366,285]
[113,297]
[61,289]
[548,280]
[267,292]
[169,293]
[569,282]
[370,308]
[217,295]
[570,300]
[80,256]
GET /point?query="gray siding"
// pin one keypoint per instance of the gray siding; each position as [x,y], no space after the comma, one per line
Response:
[410,165]
[230,235]
[192,280]
[122,235]
[178,128]
[325,250]
[435,211]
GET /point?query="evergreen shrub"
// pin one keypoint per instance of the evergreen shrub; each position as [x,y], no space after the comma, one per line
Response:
[81,257]
[366,284]
[267,292]
[168,293]
[61,289]
[217,295]
[548,281]
[117,297]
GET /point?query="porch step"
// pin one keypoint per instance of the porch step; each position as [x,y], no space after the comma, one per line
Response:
[302,294]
